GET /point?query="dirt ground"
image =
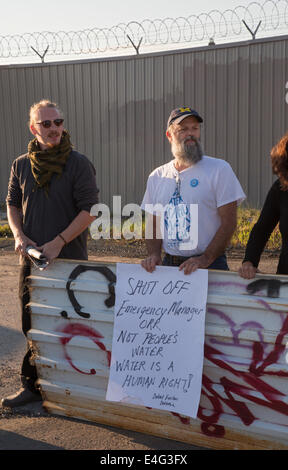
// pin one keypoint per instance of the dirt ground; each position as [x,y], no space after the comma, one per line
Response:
[30,427]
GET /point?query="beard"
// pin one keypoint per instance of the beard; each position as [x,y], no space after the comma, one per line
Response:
[187,152]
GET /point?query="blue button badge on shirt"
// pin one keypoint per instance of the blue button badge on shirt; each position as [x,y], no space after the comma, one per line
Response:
[194,183]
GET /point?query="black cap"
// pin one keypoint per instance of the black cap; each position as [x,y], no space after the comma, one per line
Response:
[178,114]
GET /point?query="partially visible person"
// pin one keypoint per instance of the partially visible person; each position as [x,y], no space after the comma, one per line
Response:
[50,193]
[191,178]
[274,211]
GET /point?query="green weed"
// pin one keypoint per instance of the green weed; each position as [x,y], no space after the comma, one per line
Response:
[5,231]
[246,219]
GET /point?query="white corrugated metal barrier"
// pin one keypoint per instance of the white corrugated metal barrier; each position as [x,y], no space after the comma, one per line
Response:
[244,402]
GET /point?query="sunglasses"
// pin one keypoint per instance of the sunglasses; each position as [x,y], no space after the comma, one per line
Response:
[48,123]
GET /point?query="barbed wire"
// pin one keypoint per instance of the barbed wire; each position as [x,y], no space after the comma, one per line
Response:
[272,15]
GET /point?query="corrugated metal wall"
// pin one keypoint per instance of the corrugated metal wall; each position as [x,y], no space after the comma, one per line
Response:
[116,110]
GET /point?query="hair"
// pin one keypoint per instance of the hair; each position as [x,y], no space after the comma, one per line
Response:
[42,104]
[279,159]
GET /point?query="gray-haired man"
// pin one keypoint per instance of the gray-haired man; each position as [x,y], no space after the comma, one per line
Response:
[191,179]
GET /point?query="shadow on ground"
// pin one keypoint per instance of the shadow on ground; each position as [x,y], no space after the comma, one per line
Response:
[14,441]
[11,341]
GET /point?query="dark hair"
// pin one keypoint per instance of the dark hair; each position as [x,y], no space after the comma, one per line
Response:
[279,159]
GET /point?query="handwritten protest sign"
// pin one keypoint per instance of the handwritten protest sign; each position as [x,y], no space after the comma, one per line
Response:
[158,338]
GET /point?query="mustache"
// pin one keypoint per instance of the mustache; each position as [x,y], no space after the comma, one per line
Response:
[190,137]
[53,134]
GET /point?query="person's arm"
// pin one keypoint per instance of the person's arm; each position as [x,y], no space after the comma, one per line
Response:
[220,241]
[14,208]
[52,248]
[14,215]
[153,245]
[85,195]
[260,233]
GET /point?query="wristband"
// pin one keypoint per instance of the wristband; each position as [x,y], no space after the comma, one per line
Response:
[59,235]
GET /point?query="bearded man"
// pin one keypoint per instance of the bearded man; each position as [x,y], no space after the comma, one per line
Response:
[190,180]
[50,193]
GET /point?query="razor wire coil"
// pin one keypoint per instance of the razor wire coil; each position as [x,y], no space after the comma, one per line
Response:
[272,16]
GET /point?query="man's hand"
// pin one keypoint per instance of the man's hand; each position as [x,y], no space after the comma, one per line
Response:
[21,243]
[52,249]
[191,264]
[14,215]
[247,270]
[151,262]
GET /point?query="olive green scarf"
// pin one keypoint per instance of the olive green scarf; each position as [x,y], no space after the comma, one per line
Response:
[44,163]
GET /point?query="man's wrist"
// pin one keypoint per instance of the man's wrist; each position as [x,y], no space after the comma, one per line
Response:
[18,234]
[207,259]
[155,254]
[61,240]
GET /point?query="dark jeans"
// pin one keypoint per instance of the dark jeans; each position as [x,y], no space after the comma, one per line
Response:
[28,371]
[218,263]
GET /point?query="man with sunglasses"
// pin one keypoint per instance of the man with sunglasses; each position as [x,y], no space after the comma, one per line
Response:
[50,193]
[190,179]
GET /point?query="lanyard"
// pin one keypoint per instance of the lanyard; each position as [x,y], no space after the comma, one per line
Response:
[178,185]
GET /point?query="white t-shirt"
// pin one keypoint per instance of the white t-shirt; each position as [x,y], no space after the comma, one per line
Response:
[201,188]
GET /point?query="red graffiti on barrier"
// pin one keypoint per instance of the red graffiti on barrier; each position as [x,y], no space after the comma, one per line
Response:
[271,397]
[77,329]
[249,385]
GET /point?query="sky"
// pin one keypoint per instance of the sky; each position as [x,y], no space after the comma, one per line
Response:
[66,16]
[21,16]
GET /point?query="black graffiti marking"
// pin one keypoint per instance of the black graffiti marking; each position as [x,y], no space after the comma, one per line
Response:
[110,276]
[64,314]
[272,286]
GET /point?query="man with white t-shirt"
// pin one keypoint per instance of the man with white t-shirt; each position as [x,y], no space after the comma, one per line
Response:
[193,198]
